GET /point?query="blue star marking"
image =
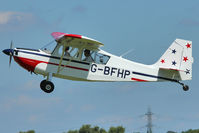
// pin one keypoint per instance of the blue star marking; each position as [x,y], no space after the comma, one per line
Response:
[174,63]
[187,71]
[174,51]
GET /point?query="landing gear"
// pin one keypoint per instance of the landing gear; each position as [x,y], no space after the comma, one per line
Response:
[184,87]
[47,86]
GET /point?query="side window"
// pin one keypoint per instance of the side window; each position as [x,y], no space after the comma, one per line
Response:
[88,55]
[74,52]
[60,50]
[101,58]
[57,50]
[68,52]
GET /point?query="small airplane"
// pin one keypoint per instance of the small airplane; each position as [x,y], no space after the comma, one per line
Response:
[80,58]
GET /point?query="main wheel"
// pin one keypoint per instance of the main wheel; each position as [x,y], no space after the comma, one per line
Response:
[185,87]
[47,86]
[42,84]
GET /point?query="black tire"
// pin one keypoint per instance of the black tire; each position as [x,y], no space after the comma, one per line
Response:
[42,84]
[185,87]
[47,86]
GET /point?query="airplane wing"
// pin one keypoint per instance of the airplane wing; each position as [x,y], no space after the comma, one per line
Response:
[77,41]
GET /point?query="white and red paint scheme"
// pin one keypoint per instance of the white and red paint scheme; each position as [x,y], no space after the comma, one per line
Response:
[174,65]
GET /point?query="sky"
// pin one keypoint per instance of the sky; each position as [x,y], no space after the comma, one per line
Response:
[146,27]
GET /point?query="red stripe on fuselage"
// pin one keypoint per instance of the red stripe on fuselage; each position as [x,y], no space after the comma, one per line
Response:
[140,80]
[30,64]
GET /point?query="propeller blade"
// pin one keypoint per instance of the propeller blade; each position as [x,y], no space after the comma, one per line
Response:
[11,45]
[10,60]
[11,53]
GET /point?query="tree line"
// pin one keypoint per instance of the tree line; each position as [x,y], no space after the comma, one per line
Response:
[188,131]
[97,129]
[90,129]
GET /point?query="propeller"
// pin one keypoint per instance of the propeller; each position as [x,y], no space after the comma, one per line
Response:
[9,52]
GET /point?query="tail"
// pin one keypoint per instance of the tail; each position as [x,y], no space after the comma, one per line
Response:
[177,60]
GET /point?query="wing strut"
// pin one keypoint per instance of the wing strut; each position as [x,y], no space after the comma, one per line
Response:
[60,62]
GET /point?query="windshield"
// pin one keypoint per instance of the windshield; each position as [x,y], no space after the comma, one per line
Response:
[49,47]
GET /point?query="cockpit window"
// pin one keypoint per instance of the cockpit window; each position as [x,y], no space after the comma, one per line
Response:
[94,56]
[68,52]
[88,55]
[81,54]
[73,52]
[101,58]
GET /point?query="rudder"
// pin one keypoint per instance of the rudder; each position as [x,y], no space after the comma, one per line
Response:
[178,57]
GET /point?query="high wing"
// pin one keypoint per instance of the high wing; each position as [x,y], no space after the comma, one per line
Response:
[77,41]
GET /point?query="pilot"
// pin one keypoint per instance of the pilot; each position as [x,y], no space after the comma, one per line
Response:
[66,51]
[88,56]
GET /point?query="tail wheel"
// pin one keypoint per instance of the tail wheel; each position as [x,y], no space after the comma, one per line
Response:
[47,86]
[185,87]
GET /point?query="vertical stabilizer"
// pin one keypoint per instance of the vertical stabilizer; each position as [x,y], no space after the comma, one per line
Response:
[178,57]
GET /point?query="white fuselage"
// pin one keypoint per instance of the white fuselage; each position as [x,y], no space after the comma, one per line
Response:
[116,69]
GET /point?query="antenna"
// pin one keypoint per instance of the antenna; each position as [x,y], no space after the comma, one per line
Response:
[149,120]
[127,52]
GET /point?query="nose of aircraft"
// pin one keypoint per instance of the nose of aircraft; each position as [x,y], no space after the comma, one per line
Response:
[8,51]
